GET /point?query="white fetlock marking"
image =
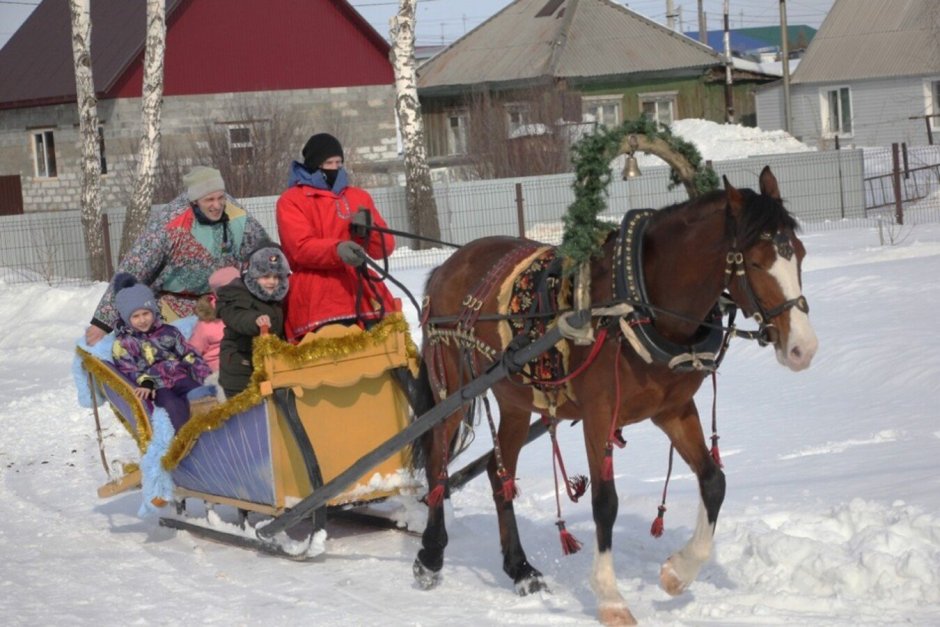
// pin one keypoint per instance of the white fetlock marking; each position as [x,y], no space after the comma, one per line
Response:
[683,566]
[604,581]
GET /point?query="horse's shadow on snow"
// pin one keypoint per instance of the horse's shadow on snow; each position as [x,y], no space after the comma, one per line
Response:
[474,546]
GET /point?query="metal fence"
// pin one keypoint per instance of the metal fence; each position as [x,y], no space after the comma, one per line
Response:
[824,190]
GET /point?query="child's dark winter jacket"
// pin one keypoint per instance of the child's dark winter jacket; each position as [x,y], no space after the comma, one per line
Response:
[157,358]
[239,309]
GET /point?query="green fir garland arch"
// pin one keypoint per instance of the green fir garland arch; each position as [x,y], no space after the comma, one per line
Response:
[592,155]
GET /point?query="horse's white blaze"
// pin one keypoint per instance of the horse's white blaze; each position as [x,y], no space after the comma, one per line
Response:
[604,580]
[682,567]
[801,344]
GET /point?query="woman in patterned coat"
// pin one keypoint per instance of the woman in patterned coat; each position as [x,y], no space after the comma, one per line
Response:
[199,232]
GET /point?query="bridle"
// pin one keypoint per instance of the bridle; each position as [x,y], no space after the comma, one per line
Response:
[735,268]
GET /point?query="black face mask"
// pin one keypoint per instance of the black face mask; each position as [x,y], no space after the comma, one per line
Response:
[330,176]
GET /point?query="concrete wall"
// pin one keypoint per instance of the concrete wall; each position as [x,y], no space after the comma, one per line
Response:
[362,117]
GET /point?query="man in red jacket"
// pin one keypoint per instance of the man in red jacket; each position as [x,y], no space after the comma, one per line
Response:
[321,222]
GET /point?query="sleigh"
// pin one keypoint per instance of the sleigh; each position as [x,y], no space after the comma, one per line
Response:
[311,411]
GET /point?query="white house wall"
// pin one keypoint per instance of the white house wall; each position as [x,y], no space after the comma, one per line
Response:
[880,111]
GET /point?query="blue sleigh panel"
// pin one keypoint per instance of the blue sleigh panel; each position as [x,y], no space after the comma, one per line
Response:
[233,462]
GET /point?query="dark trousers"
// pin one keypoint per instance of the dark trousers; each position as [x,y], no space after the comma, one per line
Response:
[174,401]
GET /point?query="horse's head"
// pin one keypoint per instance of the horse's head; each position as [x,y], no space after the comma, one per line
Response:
[764,270]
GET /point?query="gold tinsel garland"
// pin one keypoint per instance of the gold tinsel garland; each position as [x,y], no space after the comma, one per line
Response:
[295,355]
[123,389]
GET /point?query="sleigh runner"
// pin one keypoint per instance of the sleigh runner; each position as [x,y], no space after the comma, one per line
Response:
[309,413]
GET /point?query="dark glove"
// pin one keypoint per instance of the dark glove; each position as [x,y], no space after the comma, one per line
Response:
[361,223]
[351,253]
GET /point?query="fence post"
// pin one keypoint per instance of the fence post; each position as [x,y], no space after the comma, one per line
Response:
[520,213]
[896,179]
[106,234]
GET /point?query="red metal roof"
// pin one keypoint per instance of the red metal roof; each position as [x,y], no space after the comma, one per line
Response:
[213,46]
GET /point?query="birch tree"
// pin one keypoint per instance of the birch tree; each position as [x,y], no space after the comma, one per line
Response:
[88,130]
[422,208]
[151,101]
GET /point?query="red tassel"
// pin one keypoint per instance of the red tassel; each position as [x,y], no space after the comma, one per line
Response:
[607,470]
[714,452]
[436,496]
[509,486]
[569,544]
[656,530]
[578,486]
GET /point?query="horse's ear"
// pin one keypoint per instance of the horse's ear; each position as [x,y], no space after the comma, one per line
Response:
[768,183]
[735,198]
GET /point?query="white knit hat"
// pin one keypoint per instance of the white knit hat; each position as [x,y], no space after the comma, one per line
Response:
[202,181]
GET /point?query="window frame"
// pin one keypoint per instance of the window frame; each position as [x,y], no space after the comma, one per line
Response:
[240,152]
[455,142]
[589,104]
[656,98]
[826,113]
[521,108]
[46,161]
[932,104]
[102,159]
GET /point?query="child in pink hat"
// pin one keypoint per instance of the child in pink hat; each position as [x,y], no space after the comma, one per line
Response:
[207,333]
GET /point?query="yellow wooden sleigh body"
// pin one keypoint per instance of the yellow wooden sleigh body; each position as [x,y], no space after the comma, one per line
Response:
[310,412]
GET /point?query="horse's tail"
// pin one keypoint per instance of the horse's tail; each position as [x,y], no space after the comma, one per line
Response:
[422,401]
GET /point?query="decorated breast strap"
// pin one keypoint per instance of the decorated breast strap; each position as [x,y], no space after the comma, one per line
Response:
[630,285]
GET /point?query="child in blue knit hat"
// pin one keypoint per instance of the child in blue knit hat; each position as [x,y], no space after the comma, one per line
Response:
[152,354]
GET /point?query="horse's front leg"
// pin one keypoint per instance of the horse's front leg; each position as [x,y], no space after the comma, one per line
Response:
[513,429]
[611,606]
[685,433]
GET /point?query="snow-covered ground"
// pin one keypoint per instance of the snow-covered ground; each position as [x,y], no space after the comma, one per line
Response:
[832,515]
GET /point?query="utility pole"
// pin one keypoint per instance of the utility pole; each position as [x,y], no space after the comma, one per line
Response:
[785,61]
[702,28]
[729,91]
[670,15]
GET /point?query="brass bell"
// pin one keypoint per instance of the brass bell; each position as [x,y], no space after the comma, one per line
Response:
[631,170]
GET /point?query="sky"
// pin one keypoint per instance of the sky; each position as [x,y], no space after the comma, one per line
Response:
[446,20]
[832,513]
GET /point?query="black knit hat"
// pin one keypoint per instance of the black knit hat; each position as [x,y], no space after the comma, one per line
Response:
[319,148]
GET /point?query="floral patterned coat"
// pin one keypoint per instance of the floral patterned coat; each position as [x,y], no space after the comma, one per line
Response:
[175,255]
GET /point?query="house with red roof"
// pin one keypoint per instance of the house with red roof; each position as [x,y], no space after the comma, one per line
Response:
[234,71]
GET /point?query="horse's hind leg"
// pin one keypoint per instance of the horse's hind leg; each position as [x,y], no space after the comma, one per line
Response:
[513,429]
[685,433]
[430,560]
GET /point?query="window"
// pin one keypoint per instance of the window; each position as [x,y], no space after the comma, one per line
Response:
[604,110]
[104,160]
[457,132]
[659,107]
[44,154]
[240,147]
[517,116]
[933,104]
[837,112]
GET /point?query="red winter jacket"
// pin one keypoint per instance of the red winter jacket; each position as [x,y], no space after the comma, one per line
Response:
[310,223]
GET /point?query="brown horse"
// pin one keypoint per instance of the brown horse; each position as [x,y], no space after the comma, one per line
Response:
[686,255]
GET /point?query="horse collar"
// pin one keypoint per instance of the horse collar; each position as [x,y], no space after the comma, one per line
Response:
[629,285]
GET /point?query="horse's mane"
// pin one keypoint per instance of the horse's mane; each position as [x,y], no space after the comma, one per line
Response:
[760,214]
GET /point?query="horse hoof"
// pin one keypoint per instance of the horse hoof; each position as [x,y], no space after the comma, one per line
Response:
[530,585]
[616,616]
[670,581]
[424,577]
